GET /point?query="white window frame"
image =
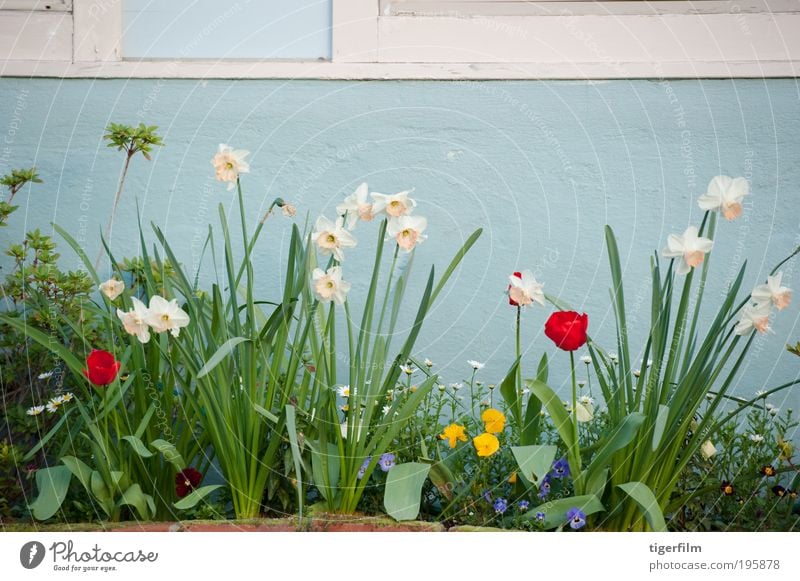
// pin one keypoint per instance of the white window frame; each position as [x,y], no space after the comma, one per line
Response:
[469,39]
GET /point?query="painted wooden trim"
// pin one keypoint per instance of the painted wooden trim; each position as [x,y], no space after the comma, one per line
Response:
[403,71]
[43,5]
[35,36]
[98,30]
[355,31]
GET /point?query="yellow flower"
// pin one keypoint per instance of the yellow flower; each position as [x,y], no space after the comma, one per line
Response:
[453,433]
[486,444]
[493,420]
[513,478]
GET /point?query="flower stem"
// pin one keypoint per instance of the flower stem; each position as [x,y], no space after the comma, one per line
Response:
[519,366]
[117,198]
[575,452]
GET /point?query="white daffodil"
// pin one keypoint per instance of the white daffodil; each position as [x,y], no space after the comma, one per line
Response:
[289,210]
[331,237]
[164,315]
[407,231]
[52,406]
[112,288]
[756,438]
[583,413]
[476,365]
[229,163]
[689,248]
[135,320]
[343,390]
[356,207]
[329,286]
[707,449]
[35,410]
[725,194]
[393,205]
[753,317]
[524,290]
[772,293]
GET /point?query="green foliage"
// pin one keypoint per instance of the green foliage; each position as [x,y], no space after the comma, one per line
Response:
[132,139]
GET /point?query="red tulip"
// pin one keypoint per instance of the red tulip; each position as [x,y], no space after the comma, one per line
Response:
[101,367]
[187,480]
[511,301]
[567,329]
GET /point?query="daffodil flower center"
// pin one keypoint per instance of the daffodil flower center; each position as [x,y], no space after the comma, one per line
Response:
[165,317]
[331,238]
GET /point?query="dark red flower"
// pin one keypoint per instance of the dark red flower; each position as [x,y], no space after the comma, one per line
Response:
[511,301]
[779,491]
[187,480]
[101,367]
[727,488]
[567,329]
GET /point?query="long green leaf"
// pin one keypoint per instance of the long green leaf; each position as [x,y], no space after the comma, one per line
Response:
[646,500]
[53,484]
[195,496]
[224,350]
[555,408]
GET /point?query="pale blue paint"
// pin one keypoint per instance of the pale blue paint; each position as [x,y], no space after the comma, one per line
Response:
[541,166]
[246,29]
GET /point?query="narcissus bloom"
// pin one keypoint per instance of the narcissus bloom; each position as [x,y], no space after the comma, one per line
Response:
[393,205]
[164,315]
[493,421]
[329,286]
[567,329]
[101,367]
[584,412]
[356,207]
[135,320]
[486,444]
[688,248]
[112,288]
[707,450]
[332,238]
[753,317]
[453,434]
[524,290]
[772,293]
[187,480]
[229,163]
[407,231]
[725,194]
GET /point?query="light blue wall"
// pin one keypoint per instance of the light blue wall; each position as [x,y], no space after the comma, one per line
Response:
[541,166]
[276,29]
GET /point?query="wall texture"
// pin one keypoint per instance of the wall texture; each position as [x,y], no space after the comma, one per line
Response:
[541,166]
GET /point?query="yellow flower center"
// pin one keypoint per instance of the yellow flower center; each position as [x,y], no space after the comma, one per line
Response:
[228,165]
[331,238]
[329,284]
[165,317]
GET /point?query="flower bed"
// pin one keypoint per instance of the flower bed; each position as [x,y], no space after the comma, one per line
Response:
[159,400]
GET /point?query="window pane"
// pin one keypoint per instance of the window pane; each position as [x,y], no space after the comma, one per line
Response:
[279,29]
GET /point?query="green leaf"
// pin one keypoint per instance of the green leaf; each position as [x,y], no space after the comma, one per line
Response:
[401,498]
[195,496]
[220,354]
[143,503]
[555,512]
[597,482]
[510,393]
[326,483]
[646,500]
[534,461]
[621,437]
[53,484]
[170,453]
[138,446]
[267,414]
[443,479]
[295,447]
[81,471]
[661,422]
[555,408]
